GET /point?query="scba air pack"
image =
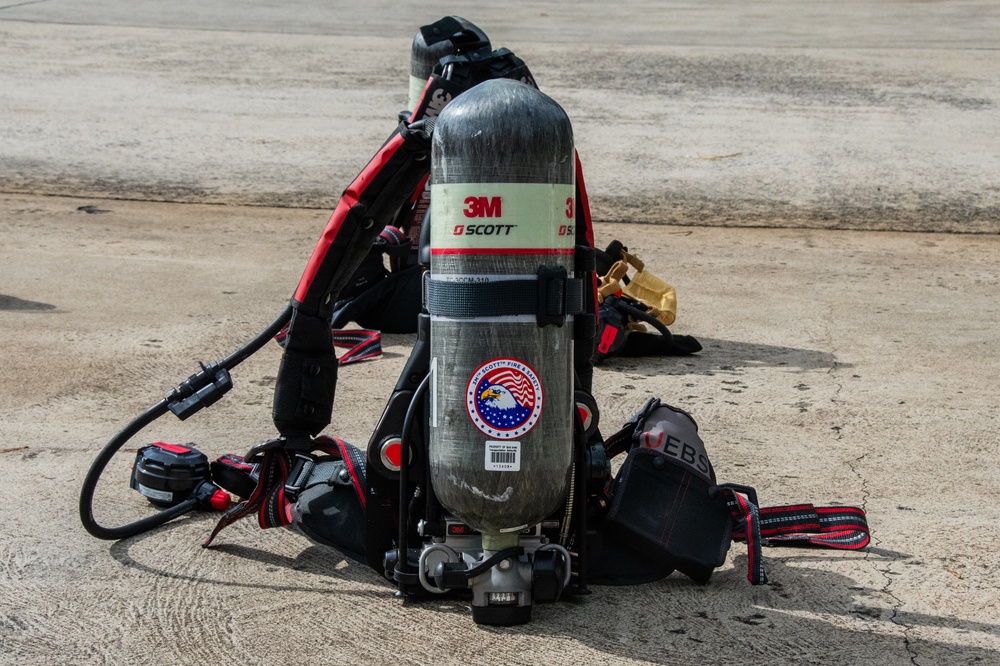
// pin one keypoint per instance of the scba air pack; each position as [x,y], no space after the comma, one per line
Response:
[487,476]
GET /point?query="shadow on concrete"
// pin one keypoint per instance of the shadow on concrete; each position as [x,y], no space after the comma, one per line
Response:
[19,304]
[314,559]
[804,615]
[790,620]
[726,356]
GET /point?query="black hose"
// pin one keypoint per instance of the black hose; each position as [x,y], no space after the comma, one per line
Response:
[582,471]
[644,316]
[404,479]
[118,441]
[494,559]
[252,347]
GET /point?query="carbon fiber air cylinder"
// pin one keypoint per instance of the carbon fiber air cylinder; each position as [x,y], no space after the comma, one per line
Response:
[424,57]
[502,196]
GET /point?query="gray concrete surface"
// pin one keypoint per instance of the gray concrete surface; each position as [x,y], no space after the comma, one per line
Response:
[839,366]
[873,115]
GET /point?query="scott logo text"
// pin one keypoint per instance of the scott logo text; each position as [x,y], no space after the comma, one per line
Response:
[483,229]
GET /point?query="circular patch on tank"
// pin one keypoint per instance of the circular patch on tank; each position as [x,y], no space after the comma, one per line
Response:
[504,398]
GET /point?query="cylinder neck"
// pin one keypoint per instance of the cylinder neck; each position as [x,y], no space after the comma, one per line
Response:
[498,541]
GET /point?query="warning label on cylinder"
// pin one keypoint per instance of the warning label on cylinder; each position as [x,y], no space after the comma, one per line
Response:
[503,456]
[504,398]
[487,217]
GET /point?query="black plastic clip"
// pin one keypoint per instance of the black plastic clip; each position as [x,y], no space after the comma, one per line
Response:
[552,296]
[255,452]
[743,490]
[303,465]
[200,390]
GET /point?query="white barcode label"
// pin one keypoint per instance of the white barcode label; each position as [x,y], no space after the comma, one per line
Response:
[153,493]
[503,456]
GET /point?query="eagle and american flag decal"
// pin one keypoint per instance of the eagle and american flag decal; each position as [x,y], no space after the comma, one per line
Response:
[504,398]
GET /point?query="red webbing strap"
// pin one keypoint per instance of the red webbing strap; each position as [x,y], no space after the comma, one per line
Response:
[267,499]
[841,527]
[275,511]
[746,511]
[620,442]
[584,223]
[354,460]
[361,343]
[271,500]
[373,198]
[376,172]
[418,205]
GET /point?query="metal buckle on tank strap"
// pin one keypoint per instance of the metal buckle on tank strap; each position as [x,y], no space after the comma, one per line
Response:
[302,466]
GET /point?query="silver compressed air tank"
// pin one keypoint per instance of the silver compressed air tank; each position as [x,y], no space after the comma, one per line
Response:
[501,408]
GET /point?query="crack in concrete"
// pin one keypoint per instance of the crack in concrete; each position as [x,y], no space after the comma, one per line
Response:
[865,494]
[22,4]
[884,572]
